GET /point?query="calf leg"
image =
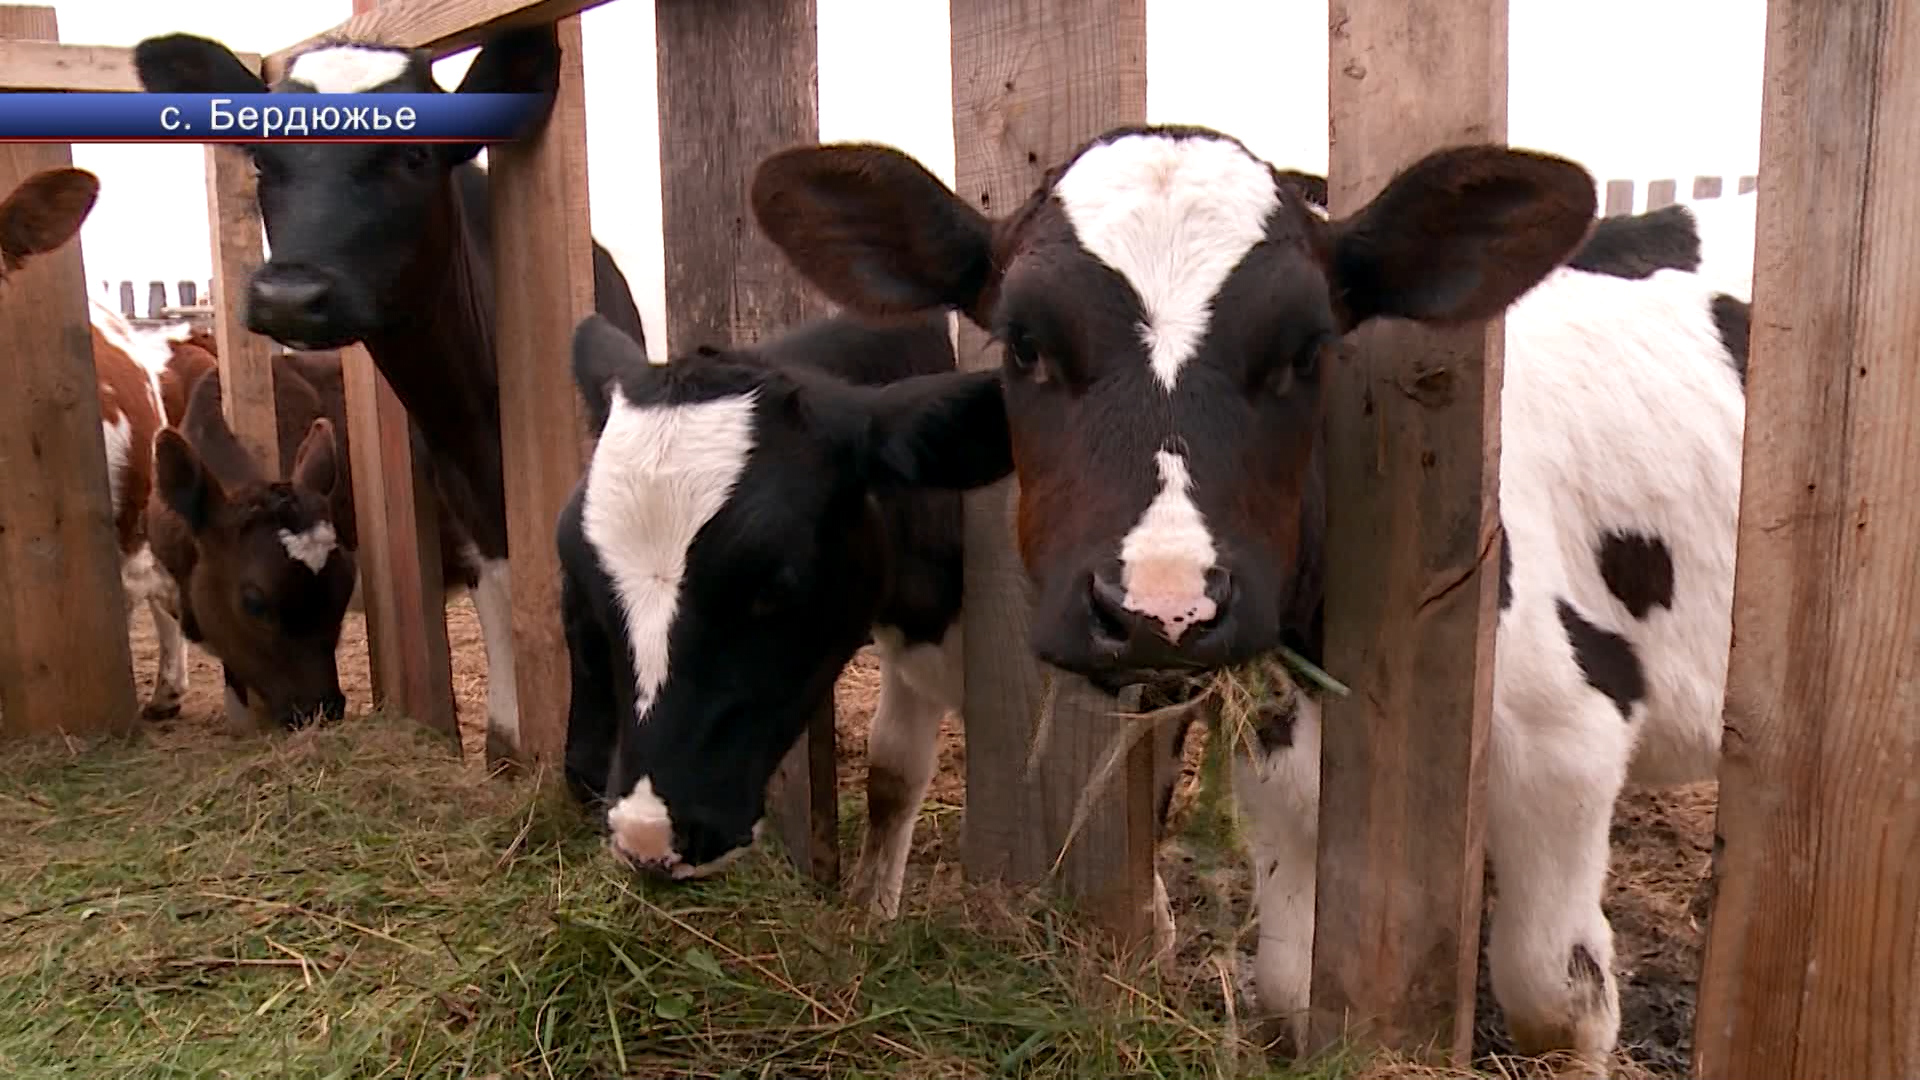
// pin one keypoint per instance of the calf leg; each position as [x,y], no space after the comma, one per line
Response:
[1551,790]
[170,672]
[493,603]
[919,684]
[1277,788]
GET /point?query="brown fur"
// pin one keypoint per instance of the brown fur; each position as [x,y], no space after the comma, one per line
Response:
[126,394]
[42,213]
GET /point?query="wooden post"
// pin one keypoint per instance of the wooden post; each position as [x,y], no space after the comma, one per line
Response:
[543,248]
[409,659]
[189,294]
[1812,967]
[1748,183]
[1660,193]
[1412,485]
[1032,81]
[126,299]
[1706,187]
[156,298]
[246,359]
[1619,197]
[738,82]
[65,661]
[399,525]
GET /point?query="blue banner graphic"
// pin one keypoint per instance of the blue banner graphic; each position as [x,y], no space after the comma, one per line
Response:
[80,117]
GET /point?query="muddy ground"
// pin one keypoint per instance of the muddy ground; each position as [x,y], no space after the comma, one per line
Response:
[1662,843]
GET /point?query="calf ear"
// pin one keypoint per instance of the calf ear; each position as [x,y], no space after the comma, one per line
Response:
[874,230]
[940,431]
[184,483]
[523,61]
[185,64]
[45,211]
[314,465]
[601,352]
[1460,235]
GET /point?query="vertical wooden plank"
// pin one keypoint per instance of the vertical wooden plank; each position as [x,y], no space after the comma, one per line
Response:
[1812,966]
[126,299]
[1706,187]
[156,298]
[65,662]
[189,296]
[1660,193]
[1412,499]
[1032,81]
[543,238]
[1748,183]
[408,657]
[1619,197]
[246,359]
[738,81]
[399,525]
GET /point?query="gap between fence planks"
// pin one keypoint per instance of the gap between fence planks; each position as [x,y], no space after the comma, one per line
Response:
[737,82]
[66,665]
[1032,81]
[1812,967]
[1412,420]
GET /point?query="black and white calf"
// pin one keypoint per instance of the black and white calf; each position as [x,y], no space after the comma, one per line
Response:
[1166,301]
[749,520]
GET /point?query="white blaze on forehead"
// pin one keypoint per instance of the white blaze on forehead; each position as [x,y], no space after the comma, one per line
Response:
[312,547]
[347,69]
[1173,216]
[1165,558]
[659,474]
[642,830]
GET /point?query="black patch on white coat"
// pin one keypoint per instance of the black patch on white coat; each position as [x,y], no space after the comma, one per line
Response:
[1638,570]
[1635,246]
[1732,316]
[1606,660]
[1506,568]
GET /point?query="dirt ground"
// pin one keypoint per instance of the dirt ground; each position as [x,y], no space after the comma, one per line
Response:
[1662,842]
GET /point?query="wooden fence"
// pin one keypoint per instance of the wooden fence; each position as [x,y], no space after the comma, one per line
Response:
[1810,967]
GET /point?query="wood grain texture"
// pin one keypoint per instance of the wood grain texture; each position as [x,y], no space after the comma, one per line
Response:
[543,234]
[246,359]
[398,520]
[739,81]
[1413,442]
[65,662]
[49,65]
[1032,81]
[440,26]
[1812,967]
[400,571]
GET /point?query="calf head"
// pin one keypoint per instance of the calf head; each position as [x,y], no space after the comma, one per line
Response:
[725,559]
[264,583]
[1164,302]
[44,212]
[361,233]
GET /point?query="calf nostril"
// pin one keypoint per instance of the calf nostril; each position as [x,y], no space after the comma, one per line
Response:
[1108,603]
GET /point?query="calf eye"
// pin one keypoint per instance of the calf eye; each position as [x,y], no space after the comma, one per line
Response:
[1023,357]
[254,603]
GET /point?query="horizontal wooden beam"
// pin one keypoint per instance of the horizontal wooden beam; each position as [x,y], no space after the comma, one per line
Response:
[442,26]
[47,66]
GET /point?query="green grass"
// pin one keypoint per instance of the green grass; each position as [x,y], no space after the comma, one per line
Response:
[352,903]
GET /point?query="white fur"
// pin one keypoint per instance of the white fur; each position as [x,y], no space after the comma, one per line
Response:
[642,830]
[116,435]
[493,605]
[1620,410]
[1165,557]
[1725,226]
[347,69]
[919,686]
[1173,217]
[658,475]
[310,548]
[144,580]
[150,349]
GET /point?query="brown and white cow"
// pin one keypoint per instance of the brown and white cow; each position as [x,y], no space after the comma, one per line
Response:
[273,625]
[390,245]
[1166,301]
